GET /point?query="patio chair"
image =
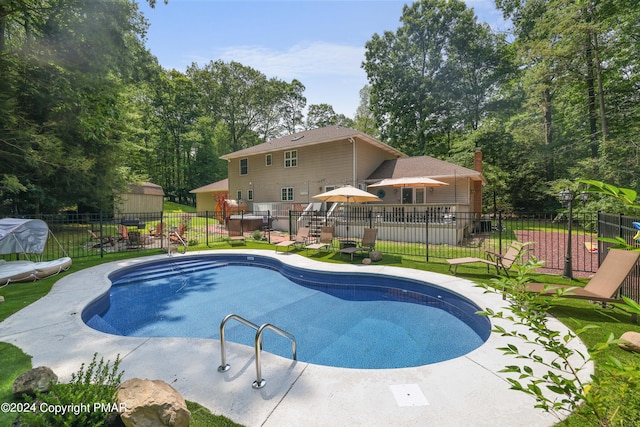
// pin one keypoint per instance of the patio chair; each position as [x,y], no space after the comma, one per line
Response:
[135,240]
[159,230]
[123,233]
[300,239]
[367,244]
[106,240]
[603,286]
[498,261]
[325,241]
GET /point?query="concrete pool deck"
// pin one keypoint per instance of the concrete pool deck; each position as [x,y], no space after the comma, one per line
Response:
[468,390]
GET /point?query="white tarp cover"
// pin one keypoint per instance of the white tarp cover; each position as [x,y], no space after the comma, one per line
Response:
[27,236]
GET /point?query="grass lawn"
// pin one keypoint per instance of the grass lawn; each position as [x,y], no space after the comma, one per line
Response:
[573,313]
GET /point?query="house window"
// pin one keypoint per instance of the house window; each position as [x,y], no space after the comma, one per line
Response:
[291,159]
[244,166]
[239,195]
[250,195]
[407,196]
[287,194]
[420,195]
[268,161]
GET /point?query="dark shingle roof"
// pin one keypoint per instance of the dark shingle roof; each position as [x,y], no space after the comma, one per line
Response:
[309,137]
[218,186]
[421,166]
[148,188]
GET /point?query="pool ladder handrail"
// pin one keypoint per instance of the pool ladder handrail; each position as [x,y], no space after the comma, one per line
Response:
[169,242]
[224,366]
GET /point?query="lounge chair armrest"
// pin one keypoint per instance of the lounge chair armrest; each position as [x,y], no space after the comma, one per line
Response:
[493,256]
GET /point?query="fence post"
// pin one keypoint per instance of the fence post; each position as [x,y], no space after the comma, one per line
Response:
[101,240]
[600,233]
[269,222]
[206,230]
[162,230]
[499,232]
[426,224]
[620,225]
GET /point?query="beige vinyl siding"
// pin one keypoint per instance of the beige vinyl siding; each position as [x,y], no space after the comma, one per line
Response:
[317,166]
[139,203]
[205,202]
[369,158]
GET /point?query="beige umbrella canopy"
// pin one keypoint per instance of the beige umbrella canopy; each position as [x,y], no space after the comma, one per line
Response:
[347,194]
[411,181]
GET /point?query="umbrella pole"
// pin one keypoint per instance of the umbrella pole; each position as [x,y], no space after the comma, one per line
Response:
[427,233]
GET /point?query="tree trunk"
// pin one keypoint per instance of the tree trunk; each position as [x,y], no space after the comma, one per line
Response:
[591,94]
[603,113]
[546,106]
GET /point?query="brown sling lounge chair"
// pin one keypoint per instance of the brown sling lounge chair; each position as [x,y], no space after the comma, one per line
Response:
[604,285]
[325,241]
[367,244]
[300,239]
[503,262]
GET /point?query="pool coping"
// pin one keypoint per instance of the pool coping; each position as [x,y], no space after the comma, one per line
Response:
[468,390]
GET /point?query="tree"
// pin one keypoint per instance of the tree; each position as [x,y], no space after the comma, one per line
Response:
[174,114]
[247,102]
[65,69]
[576,71]
[433,76]
[292,107]
[364,120]
[322,115]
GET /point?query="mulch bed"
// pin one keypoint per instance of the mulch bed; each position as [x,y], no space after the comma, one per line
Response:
[550,246]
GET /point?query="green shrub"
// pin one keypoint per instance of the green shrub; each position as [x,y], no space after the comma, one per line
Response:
[86,401]
[257,235]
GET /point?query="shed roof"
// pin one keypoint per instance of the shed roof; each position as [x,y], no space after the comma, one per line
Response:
[421,166]
[310,137]
[221,186]
[148,188]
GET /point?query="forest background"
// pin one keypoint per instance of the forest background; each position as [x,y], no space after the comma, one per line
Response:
[85,108]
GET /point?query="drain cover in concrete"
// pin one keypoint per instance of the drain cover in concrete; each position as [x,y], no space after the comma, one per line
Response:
[408,395]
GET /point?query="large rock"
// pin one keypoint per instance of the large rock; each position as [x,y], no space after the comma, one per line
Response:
[151,403]
[633,339]
[36,379]
[375,256]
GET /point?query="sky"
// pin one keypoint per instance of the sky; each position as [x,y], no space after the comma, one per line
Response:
[319,42]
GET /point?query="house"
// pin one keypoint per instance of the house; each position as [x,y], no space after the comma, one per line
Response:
[144,197]
[293,168]
[284,174]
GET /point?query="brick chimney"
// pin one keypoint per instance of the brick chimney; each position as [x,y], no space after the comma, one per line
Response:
[477,160]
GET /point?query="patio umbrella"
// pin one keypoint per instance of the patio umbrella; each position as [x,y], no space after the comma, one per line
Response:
[410,181]
[347,194]
[413,181]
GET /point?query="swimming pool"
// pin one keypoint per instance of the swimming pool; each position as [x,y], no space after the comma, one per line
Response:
[355,320]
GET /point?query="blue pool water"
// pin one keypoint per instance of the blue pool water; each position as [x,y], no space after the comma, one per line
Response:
[338,319]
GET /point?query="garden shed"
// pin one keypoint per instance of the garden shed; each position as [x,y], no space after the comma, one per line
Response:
[144,197]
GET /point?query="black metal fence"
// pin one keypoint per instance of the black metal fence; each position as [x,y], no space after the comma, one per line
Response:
[426,234]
